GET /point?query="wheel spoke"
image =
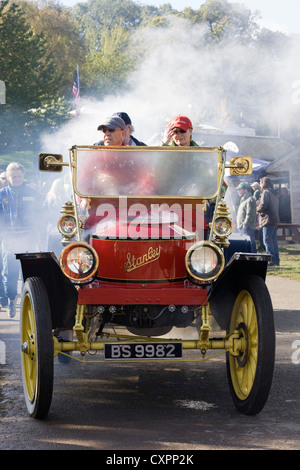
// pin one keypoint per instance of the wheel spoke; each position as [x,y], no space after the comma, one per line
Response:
[252,325]
[245,314]
[246,379]
[31,383]
[36,335]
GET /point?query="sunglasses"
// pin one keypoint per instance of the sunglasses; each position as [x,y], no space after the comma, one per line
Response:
[179,131]
[106,129]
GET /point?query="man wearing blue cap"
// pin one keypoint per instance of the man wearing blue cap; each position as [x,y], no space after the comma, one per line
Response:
[128,139]
[246,216]
[114,132]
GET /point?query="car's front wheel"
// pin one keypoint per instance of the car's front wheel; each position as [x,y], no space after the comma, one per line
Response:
[36,348]
[250,373]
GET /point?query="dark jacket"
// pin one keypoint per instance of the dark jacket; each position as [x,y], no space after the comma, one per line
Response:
[246,216]
[267,208]
[20,208]
[134,139]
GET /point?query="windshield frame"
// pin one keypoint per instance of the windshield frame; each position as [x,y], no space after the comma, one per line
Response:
[74,161]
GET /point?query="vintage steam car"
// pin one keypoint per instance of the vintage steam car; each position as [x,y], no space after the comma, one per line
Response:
[147,253]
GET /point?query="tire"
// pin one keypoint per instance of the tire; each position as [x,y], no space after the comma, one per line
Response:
[250,374]
[36,348]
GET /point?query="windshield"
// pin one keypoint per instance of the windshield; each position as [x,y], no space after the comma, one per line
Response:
[146,171]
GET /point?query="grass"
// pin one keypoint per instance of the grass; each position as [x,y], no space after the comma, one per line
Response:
[289,268]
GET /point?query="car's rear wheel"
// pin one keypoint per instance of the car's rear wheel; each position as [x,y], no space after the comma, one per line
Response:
[36,348]
[250,373]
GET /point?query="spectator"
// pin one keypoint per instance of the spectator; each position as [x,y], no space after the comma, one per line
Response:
[256,190]
[3,300]
[179,132]
[267,209]
[113,173]
[258,233]
[59,194]
[285,206]
[20,216]
[3,180]
[114,130]
[246,215]
[129,139]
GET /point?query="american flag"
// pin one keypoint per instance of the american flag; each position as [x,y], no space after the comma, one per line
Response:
[75,91]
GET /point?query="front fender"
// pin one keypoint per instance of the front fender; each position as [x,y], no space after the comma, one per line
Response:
[226,287]
[61,292]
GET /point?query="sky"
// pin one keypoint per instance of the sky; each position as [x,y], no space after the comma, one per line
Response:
[282,15]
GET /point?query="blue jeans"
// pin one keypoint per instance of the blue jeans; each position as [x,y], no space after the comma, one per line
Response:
[11,269]
[270,242]
[3,299]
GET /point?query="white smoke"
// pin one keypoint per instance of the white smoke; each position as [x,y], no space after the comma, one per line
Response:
[169,81]
[179,75]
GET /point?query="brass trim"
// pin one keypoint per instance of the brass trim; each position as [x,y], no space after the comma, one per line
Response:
[220,256]
[221,163]
[94,271]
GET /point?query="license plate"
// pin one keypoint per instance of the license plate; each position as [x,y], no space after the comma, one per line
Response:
[136,351]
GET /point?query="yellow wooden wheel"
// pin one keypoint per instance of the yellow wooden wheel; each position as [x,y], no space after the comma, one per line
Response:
[36,348]
[250,373]
[28,342]
[243,367]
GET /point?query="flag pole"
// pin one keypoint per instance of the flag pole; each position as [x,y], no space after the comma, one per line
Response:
[78,94]
[77,69]
[76,91]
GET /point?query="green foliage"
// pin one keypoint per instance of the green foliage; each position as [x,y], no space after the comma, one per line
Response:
[97,16]
[29,81]
[228,20]
[60,31]
[108,66]
[41,42]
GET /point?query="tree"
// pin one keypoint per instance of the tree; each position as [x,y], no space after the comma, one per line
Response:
[106,26]
[225,20]
[96,16]
[107,68]
[31,83]
[60,31]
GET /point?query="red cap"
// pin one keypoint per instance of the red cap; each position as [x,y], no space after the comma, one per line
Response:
[182,122]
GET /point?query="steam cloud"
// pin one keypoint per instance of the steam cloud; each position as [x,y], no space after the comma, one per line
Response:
[180,76]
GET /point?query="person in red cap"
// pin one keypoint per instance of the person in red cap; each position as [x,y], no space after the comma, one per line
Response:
[179,132]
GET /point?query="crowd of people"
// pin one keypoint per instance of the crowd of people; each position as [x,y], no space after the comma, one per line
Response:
[23,212]
[259,211]
[21,208]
